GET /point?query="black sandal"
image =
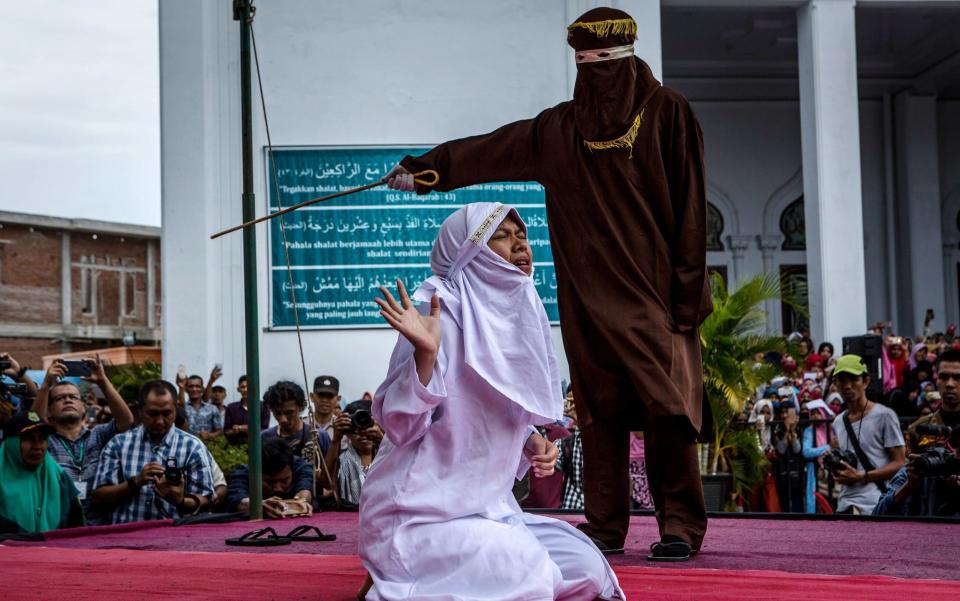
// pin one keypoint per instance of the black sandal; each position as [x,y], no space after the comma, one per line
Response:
[264,537]
[300,535]
[605,548]
[670,551]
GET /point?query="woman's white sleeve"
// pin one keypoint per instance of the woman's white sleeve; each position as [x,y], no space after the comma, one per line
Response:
[407,406]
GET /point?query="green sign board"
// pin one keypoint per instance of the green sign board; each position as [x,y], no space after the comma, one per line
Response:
[342,251]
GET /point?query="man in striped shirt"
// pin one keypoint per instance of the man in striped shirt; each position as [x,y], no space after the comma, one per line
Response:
[137,477]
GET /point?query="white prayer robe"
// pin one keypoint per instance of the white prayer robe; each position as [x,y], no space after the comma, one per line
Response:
[438,520]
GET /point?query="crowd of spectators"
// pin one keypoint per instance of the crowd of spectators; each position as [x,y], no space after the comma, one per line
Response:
[74,452]
[834,442]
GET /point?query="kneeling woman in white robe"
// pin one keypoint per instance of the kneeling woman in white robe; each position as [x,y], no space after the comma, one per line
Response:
[471,373]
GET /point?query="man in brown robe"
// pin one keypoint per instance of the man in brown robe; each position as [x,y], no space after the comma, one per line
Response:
[622,165]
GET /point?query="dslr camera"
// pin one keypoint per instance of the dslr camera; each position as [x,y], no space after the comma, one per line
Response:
[938,460]
[832,460]
[172,473]
[361,419]
[12,390]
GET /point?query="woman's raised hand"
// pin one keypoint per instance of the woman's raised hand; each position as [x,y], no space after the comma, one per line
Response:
[423,331]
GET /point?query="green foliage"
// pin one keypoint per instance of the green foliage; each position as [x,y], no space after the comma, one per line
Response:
[731,337]
[127,379]
[227,455]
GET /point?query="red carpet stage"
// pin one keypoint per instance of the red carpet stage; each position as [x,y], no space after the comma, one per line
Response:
[742,559]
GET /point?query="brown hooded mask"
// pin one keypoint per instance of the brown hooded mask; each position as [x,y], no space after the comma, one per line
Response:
[608,95]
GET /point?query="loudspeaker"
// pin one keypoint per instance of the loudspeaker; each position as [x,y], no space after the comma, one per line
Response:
[870,349]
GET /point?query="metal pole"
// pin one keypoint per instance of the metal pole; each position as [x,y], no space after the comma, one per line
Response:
[243,12]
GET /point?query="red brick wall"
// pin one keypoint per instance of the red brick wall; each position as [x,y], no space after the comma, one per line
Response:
[29,351]
[110,251]
[29,275]
[30,293]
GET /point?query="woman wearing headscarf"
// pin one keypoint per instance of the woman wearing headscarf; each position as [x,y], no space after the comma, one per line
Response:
[36,495]
[918,353]
[761,417]
[894,363]
[470,377]
[815,443]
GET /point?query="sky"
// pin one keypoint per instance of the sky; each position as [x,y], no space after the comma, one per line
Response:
[80,109]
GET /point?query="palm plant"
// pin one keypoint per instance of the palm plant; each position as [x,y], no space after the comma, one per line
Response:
[127,379]
[732,337]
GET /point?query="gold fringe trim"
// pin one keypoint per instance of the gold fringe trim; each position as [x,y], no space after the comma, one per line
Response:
[625,141]
[602,29]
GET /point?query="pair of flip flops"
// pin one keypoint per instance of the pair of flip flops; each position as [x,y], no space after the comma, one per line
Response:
[268,537]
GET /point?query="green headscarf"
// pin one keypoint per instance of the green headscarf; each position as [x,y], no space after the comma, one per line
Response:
[36,500]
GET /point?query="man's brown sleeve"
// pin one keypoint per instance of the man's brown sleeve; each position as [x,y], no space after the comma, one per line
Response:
[508,154]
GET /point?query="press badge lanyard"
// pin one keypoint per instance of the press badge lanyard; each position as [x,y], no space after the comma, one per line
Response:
[80,483]
[77,461]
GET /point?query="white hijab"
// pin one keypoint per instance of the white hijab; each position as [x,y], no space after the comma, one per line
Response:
[506,334]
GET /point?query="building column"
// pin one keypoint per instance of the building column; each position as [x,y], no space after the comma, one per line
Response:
[769,245]
[830,136]
[647,15]
[738,247]
[920,231]
[951,313]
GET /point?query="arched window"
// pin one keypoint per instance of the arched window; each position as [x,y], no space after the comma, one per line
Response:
[793,227]
[714,228]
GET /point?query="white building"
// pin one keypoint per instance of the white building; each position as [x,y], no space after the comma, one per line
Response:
[832,132]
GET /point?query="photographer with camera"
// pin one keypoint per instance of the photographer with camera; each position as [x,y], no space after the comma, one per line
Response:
[12,395]
[154,471]
[288,403]
[929,485]
[868,446]
[948,387]
[348,463]
[74,445]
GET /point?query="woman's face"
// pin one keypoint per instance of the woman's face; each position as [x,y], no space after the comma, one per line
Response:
[826,352]
[510,243]
[765,411]
[33,446]
[895,351]
[803,348]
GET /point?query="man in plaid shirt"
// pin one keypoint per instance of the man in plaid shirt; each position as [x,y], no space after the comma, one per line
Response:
[571,457]
[132,480]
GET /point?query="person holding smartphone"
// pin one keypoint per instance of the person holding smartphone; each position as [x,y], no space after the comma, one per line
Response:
[75,445]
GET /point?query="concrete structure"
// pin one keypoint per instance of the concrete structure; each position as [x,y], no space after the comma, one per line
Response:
[831,131]
[76,285]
